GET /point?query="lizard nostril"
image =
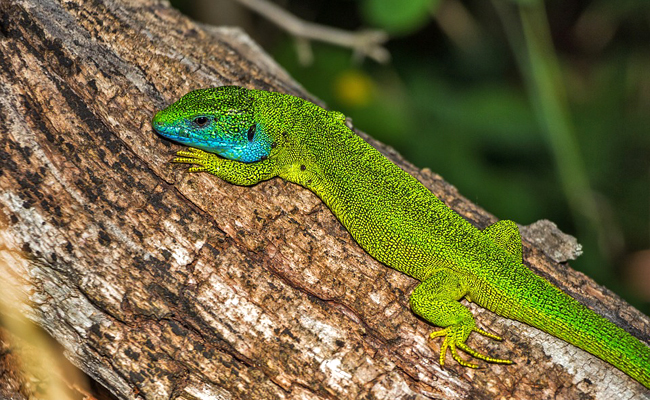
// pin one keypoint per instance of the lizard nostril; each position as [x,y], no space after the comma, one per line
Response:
[157,125]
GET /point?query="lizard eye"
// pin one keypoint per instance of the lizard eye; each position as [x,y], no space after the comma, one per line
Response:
[201,121]
[251,132]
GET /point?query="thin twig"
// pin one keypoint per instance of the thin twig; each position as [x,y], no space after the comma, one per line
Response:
[365,42]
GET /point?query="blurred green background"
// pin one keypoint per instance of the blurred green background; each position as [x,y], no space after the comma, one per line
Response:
[533,110]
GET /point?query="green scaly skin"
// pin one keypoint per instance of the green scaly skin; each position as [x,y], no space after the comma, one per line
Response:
[392,216]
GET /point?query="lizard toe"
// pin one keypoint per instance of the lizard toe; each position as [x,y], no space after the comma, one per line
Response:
[455,337]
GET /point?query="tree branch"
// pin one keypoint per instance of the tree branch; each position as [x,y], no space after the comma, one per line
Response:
[162,284]
[365,42]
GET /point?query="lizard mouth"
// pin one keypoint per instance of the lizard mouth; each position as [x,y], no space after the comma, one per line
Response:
[174,132]
[168,130]
[184,136]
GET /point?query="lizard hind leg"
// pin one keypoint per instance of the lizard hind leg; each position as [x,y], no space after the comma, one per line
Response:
[436,300]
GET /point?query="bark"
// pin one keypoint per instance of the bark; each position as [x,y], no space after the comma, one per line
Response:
[162,284]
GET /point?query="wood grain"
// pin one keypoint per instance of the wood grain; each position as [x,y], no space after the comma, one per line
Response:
[162,284]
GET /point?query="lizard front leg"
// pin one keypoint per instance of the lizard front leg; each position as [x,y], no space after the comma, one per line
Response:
[235,172]
[436,300]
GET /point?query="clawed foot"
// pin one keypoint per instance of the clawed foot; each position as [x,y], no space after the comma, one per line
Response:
[199,159]
[455,336]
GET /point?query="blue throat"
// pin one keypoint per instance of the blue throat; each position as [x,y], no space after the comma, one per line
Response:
[250,146]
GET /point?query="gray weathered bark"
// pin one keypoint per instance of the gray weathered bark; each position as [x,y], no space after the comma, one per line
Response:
[161,284]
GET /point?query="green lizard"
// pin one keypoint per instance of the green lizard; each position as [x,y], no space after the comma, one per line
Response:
[251,136]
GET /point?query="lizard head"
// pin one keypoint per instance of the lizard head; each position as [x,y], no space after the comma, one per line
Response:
[218,120]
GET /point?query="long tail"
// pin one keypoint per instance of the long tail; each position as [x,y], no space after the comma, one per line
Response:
[548,308]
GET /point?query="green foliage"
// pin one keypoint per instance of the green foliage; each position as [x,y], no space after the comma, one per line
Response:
[398,16]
